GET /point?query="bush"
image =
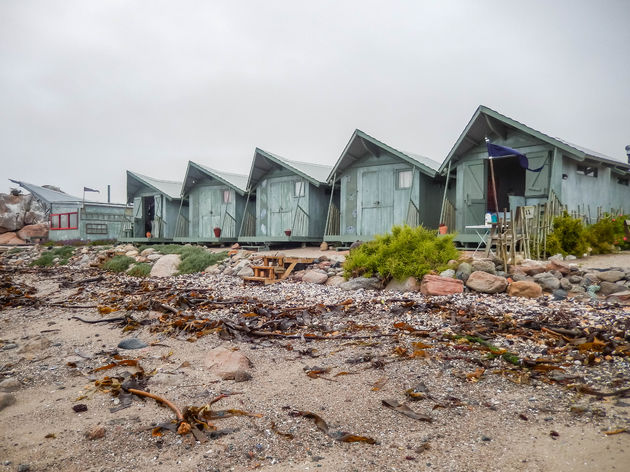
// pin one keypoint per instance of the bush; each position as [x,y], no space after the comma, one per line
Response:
[194,258]
[403,253]
[140,270]
[568,237]
[46,259]
[118,263]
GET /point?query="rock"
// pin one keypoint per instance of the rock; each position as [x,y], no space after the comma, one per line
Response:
[560,294]
[166,265]
[147,252]
[448,273]
[35,345]
[97,432]
[154,257]
[242,376]
[235,246]
[547,281]
[12,211]
[437,285]
[132,343]
[575,279]
[484,265]
[245,272]
[559,265]
[611,275]
[323,246]
[11,239]
[163,378]
[335,281]
[524,288]
[36,231]
[565,284]
[485,282]
[608,288]
[556,257]
[10,385]
[24,468]
[620,297]
[463,271]
[226,363]
[520,276]
[410,284]
[132,253]
[371,283]
[532,268]
[315,277]
[6,399]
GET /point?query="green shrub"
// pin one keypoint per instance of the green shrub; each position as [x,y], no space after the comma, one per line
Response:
[140,270]
[118,263]
[46,259]
[568,237]
[601,236]
[403,253]
[102,242]
[15,250]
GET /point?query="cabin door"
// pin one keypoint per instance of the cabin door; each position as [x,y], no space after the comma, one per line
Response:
[280,208]
[377,202]
[474,182]
[210,202]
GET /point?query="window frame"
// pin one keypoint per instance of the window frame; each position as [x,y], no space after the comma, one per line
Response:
[68,215]
[228,193]
[587,171]
[399,174]
[301,185]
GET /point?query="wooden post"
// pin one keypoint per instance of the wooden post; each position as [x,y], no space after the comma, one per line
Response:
[240,230]
[494,186]
[448,176]
[332,192]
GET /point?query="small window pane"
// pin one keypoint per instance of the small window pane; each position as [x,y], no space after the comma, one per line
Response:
[227,196]
[74,220]
[299,189]
[63,220]
[54,221]
[404,179]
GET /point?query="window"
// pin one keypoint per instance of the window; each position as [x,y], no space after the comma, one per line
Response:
[300,189]
[96,228]
[588,171]
[64,221]
[404,179]
[227,196]
[623,181]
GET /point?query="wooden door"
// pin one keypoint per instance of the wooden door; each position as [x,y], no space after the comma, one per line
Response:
[280,214]
[474,183]
[537,183]
[209,211]
[377,202]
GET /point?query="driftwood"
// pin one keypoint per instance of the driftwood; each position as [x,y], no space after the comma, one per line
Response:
[104,320]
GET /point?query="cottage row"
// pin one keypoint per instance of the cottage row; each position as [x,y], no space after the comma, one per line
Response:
[371,187]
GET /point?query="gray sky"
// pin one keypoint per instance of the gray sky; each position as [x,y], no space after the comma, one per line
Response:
[89,89]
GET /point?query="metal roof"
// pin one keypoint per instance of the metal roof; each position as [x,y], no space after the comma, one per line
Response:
[46,195]
[361,142]
[486,121]
[236,181]
[169,188]
[265,161]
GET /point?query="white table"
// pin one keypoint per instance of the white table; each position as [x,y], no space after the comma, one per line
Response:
[482,232]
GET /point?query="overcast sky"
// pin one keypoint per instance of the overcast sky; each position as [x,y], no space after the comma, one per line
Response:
[89,89]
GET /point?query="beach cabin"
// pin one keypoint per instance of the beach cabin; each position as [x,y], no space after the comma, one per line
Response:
[216,202]
[74,218]
[159,212]
[376,186]
[291,199]
[529,168]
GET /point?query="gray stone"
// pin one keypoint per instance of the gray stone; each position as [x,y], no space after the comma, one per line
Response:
[410,284]
[549,282]
[520,277]
[242,376]
[371,283]
[570,257]
[448,273]
[575,279]
[6,399]
[608,288]
[484,265]
[166,266]
[565,284]
[463,271]
[241,265]
[335,281]
[577,289]
[485,282]
[611,275]
[315,276]
[559,294]
[8,347]
[132,343]
[23,468]
[245,272]
[10,385]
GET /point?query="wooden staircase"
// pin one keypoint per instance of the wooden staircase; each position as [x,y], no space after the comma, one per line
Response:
[276,268]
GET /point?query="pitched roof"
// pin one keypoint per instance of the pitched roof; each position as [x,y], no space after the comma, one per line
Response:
[236,181]
[170,188]
[46,195]
[264,161]
[367,143]
[486,121]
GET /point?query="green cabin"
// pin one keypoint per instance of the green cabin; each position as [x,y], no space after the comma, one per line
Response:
[578,178]
[216,203]
[158,209]
[72,218]
[376,186]
[286,200]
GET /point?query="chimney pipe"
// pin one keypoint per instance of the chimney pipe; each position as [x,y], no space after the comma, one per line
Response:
[109,193]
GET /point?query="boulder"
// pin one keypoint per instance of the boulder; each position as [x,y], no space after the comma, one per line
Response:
[463,271]
[533,267]
[246,271]
[547,281]
[371,283]
[132,253]
[12,211]
[608,288]
[226,363]
[560,294]
[524,288]
[437,285]
[484,282]
[520,276]
[147,252]
[315,277]
[36,231]
[410,284]
[448,273]
[559,265]
[620,297]
[565,284]
[166,266]
[608,275]
[484,265]
[335,281]
[575,279]
[11,239]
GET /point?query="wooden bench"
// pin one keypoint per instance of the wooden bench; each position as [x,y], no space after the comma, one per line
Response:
[276,268]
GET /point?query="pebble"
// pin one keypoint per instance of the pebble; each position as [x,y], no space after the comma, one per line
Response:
[6,399]
[23,468]
[97,432]
[132,343]
[10,385]
[9,346]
